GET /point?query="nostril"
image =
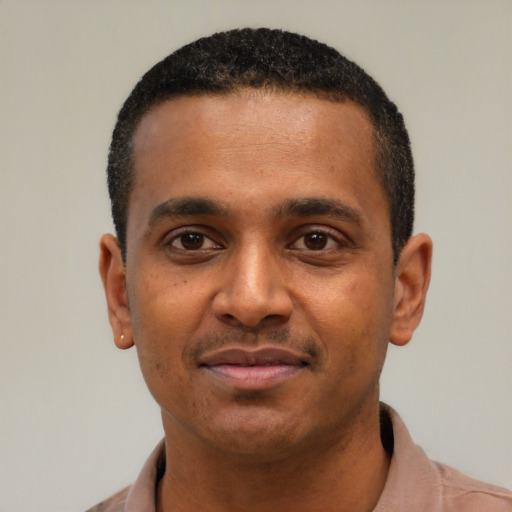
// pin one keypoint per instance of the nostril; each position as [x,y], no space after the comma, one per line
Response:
[231,320]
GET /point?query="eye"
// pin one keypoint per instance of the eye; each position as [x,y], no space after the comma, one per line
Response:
[193,242]
[315,241]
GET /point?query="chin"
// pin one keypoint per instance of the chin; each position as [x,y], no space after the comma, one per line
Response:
[254,432]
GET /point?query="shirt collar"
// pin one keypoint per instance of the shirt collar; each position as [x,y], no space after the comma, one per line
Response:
[412,482]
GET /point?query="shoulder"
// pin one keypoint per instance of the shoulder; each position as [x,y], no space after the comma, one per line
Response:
[141,494]
[417,483]
[462,493]
[115,503]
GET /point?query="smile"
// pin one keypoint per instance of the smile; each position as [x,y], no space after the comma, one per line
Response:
[253,370]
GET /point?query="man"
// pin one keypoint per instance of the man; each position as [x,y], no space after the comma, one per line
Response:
[262,191]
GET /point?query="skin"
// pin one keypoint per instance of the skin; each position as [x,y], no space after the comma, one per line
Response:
[286,245]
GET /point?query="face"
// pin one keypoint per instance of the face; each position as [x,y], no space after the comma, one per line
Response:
[260,289]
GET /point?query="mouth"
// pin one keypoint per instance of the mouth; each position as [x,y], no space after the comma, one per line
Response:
[253,370]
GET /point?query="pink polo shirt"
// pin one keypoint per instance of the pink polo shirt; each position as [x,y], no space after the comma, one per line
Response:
[414,483]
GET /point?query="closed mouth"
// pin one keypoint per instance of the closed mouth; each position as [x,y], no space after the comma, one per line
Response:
[253,369]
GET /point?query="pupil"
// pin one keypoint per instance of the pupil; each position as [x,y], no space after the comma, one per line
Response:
[315,241]
[192,241]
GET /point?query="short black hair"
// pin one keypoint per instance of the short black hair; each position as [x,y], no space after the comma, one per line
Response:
[273,60]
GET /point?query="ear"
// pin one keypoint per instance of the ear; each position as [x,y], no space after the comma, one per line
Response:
[411,285]
[114,283]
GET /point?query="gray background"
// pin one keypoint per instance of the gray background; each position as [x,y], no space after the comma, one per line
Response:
[76,421]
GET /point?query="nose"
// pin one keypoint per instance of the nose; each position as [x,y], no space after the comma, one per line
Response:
[254,290]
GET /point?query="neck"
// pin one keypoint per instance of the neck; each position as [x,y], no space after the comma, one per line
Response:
[346,475]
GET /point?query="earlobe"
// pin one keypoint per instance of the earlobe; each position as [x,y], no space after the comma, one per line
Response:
[411,285]
[112,274]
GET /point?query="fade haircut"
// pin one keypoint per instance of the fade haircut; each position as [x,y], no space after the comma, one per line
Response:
[272,60]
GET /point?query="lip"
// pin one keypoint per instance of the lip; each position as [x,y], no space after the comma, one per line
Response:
[257,369]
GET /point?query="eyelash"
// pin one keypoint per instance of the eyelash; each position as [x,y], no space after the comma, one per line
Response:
[192,232]
[335,241]
[332,241]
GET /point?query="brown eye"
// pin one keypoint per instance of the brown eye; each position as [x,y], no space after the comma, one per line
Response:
[315,241]
[192,242]
[189,241]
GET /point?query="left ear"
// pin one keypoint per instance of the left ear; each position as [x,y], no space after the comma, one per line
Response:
[411,285]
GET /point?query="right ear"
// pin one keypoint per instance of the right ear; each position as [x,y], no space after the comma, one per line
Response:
[112,274]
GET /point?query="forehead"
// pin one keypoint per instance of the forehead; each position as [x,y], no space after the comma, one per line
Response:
[258,111]
[299,123]
[249,140]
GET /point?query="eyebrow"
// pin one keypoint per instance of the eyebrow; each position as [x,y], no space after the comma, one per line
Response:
[186,207]
[311,206]
[303,207]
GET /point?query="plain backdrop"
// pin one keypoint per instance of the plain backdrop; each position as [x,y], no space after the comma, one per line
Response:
[76,421]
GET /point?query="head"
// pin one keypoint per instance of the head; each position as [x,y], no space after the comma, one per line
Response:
[272,60]
[263,207]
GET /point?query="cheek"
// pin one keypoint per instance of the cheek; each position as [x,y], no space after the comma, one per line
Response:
[352,317]
[165,305]
[160,340]
[164,319]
